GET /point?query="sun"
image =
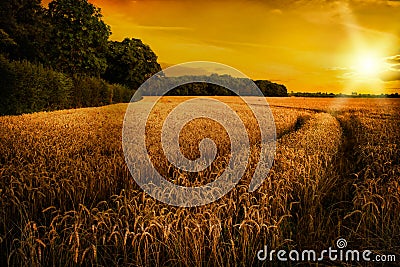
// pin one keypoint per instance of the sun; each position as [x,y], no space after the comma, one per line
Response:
[364,71]
[368,65]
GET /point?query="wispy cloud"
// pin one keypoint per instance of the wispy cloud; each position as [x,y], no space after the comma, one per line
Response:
[341,72]
[162,28]
[245,44]
[276,11]
[393,74]
[393,59]
[368,30]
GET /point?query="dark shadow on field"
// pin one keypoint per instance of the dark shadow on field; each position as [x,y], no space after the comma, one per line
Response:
[340,202]
[301,120]
[335,200]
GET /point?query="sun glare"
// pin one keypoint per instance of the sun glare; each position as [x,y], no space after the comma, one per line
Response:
[365,70]
[368,65]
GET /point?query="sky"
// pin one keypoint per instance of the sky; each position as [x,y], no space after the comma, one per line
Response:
[308,45]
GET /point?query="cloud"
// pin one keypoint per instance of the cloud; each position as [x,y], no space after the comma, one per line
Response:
[340,72]
[162,28]
[367,30]
[393,60]
[276,11]
[234,44]
[337,69]
[391,75]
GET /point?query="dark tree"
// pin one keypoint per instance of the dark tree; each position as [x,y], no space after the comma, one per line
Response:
[23,22]
[6,43]
[130,63]
[271,89]
[79,37]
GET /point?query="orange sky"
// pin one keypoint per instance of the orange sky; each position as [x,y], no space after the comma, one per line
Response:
[308,45]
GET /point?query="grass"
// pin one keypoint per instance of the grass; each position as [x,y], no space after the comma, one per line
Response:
[67,197]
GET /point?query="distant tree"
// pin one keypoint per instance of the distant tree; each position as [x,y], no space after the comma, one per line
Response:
[271,89]
[241,86]
[23,22]
[79,37]
[130,63]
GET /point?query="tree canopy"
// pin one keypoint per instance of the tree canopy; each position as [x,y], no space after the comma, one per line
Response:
[79,37]
[23,26]
[70,36]
[130,62]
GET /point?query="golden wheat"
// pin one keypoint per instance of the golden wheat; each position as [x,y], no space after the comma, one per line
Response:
[66,195]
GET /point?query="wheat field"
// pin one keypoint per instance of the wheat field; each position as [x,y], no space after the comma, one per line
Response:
[67,197]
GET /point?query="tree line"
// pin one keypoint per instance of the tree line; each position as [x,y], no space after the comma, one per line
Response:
[244,87]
